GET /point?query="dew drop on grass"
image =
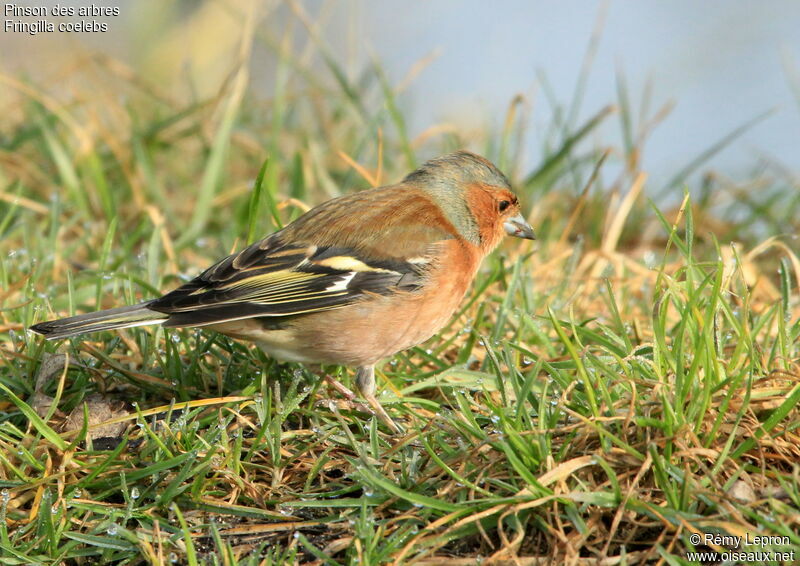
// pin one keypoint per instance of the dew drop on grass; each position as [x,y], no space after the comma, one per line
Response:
[173,558]
[77,494]
[368,492]
[112,529]
[135,493]
[296,535]
[54,509]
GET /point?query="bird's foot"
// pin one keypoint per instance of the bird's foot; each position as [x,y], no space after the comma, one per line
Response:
[374,408]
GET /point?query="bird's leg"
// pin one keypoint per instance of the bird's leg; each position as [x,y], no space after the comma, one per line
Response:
[344,391]
[347,394]
[365,383]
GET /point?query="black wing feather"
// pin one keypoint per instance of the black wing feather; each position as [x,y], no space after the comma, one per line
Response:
[271,278]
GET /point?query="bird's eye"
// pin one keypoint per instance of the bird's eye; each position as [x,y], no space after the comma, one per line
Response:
[504,204]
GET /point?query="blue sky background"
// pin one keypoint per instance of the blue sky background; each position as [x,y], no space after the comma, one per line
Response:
[722,62]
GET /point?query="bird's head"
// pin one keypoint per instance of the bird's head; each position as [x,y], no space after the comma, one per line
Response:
[475,197]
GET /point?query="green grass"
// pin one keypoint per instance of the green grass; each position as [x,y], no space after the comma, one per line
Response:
[629,379]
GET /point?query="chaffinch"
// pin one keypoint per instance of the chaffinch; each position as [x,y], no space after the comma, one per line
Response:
[352,281]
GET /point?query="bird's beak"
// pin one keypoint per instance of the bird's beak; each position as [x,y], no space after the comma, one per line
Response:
[519,227]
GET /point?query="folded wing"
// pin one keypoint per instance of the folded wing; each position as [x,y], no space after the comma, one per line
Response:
[274,278]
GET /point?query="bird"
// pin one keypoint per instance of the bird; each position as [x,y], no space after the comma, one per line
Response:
[350,282]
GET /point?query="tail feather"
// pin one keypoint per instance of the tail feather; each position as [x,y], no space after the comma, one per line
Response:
[123,317]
